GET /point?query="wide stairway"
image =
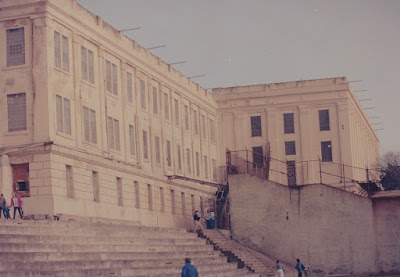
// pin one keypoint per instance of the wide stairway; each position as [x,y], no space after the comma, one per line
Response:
[66,248]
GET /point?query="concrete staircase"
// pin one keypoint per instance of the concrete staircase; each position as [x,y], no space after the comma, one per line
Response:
[58,248]
[254,260]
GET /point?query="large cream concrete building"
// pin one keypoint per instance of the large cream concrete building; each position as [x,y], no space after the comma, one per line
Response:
[92,124]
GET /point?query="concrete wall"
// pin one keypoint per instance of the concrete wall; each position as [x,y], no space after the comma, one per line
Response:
[327,228]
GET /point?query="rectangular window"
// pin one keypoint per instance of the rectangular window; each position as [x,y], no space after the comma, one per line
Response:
[16,111]
[61,52]
[87,66]
[155,101]
[258,159]
[255,126]
[57,49]
[176,112]
[188,161]
[114,80]
[145,147]
[137,195]
[96,186]
[166,106]
[291,173]
[169,162]
[63,113]
[173,201]
[108,76]
[70,182]
[183,203]
[203,123]
[214,169]
[129,90]
[113,133]
[157,145]
[142,94]
[212,130]
[288,123]
[65,54]
[193,203]
[15,47]
[178,153]
[197,164]
[111,78]
[89,125]
[324,120]
[150,197]
[201,206]
[162,200]
[132,140]
[186,117]
[119,191]
[290,147]
[116,134]
[205,167]
[196,127]
[326,151]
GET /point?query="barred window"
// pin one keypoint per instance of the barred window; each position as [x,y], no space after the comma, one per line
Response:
[212,130]
[15,47]
[291,173]
[255,126]
[214,169]
[143,95]
[87,67]
[203,122]
[150,196]
[258,158]
[132,140]
[326,151]
[16,111]
[89,123]
[197,164]
[288,121]
[129,89]
[63,113]
[196,127]
[205,167]
[186,117]
[119,191]
[178,154]
[155,101]
[61,52]
[169,161]
[176,112]
[290,147]
[111,78]
[188,161]
[145,147]
[324,120]
[113,133]
[157,145]
[166,106]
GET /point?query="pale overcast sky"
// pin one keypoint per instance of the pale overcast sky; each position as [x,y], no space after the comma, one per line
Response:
[236,42]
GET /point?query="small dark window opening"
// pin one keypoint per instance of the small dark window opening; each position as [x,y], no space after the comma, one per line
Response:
[291,173]
[290,148]
[324,120]
[326,151]
[256,126]
[258,159]
[288,122]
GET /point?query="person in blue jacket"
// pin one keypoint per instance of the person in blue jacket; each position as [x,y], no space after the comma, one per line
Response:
[300,268]
[189,270]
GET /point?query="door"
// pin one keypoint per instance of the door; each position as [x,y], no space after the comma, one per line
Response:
[21,179]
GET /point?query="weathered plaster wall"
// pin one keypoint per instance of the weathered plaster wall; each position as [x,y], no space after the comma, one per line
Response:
[327,228]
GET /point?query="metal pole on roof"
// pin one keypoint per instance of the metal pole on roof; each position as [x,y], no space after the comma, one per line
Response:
[130,29]
[178,63]
[197,76]
[156,47]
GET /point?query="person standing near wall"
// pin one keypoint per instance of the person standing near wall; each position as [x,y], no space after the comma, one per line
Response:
[197,222]
[17,203]
[2,205]
[279,269]
[300,268]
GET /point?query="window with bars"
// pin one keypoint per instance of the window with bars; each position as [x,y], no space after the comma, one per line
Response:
[203,123]
[288,123]
[186,117]
[169,158]
[205,167]
[137,194]
[155,101]
[150,196]
[178,154]
[326,151]
[176,112]
[96,186]
[197,164]
[129,87]
[157,146]
[145,146]
[132,140]
[162,200]
[89,125]
[70,181]
[196,127]
[87,66]
[166,106]
[212,130]
[255,126]
[143,95]
[214,169]
[188,161]
[113,133]
[291,173]
[173,201]
[15,47]
[63,112]
[119,192]
[290,147]
[16,112]
[111,78]
[61,52]
[183,200]
[324,120]
[258,158]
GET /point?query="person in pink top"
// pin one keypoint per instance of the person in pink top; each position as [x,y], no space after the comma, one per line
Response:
[17,203]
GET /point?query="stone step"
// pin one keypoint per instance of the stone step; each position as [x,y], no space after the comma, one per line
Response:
[108,256]
[51,247]
[84,240]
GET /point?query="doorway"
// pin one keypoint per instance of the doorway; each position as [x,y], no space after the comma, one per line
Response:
[21,179]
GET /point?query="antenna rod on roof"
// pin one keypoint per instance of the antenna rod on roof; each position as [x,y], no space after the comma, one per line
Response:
[198,76]
[130,29]
[178,62]
[156,47]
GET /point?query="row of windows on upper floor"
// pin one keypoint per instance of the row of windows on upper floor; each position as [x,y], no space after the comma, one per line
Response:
[16,108]
[16,56]
[288,123]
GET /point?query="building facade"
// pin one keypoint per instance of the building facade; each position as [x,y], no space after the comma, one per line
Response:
[94,125]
